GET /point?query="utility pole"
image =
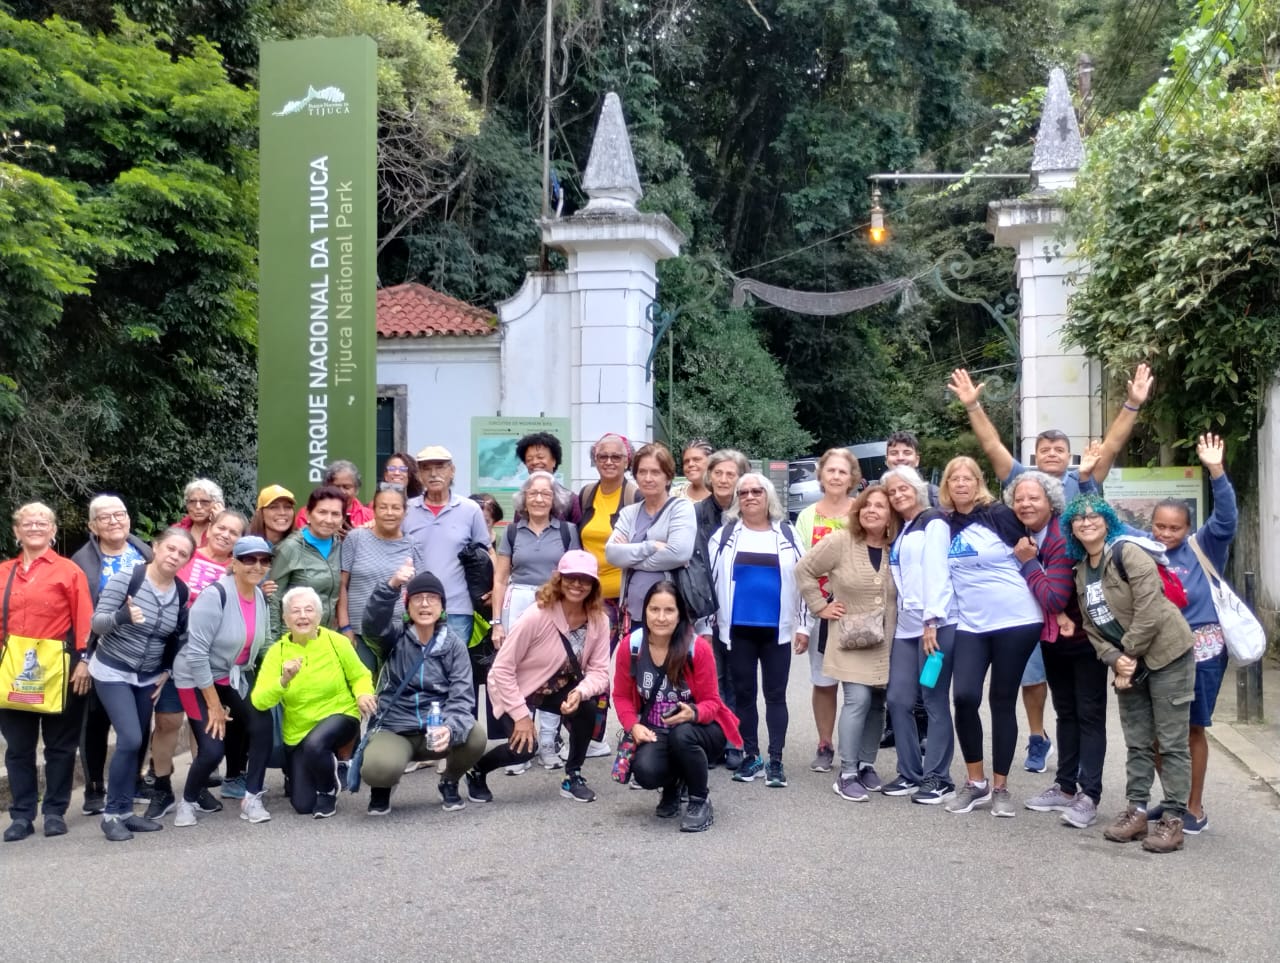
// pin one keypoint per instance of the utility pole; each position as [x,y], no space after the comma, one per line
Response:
[547,40]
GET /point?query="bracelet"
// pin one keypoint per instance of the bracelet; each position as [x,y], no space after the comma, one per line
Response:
[344,628]
[1129,407]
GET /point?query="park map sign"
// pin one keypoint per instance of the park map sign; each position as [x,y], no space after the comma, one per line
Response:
[317,235]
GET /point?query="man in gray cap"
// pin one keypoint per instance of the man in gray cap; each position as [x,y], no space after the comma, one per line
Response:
[442,524]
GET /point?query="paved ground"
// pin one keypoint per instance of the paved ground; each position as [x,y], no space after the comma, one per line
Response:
[784,874]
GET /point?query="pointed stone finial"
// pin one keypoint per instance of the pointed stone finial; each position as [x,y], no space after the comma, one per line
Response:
[610,179]
[1059,151]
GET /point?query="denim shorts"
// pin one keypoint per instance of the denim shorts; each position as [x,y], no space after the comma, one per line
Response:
[169,700]
[1033,674]
[816,676]
[1209,675]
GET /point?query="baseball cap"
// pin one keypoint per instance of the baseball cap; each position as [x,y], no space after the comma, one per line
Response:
[578,562]
[435,453]
[251,545]
[273,493]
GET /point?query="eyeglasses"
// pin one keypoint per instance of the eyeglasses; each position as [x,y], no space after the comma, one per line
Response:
[607,456]
[1090,517]
[199,501]
[112,517]
[396,470]
[35,526]
[750,492]
[255,561]
[538,494]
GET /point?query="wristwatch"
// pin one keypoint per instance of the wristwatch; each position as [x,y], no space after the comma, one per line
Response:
[495,622]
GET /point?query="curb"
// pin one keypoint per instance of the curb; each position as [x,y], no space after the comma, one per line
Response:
[1237,744]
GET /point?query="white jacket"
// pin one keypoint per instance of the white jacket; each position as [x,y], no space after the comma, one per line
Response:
[722,551]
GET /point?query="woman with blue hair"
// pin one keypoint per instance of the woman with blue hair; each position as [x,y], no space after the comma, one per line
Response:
[1143,637]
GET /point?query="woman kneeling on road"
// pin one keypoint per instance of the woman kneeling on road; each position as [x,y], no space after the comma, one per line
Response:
[665,694]
[315,674]
[556,657]
[427,663]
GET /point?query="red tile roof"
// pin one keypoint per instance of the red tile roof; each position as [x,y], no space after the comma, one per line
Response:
[415,311]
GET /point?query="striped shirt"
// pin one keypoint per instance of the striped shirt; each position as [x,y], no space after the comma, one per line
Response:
[140,648]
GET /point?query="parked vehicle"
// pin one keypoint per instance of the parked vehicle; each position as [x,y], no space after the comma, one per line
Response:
[802,474]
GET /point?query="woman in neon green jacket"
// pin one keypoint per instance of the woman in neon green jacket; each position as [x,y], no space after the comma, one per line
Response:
[315,674]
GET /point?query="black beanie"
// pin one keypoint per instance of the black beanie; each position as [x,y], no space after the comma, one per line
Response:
[425,582]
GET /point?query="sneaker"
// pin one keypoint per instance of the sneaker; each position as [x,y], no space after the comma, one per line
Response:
[113,828]
[214,780]
[1192,826]
[698,817]
[669,804]
[186,813]
[900,786]
[380,800]
[451,799]
[326,805]
[824,759]
[162,803]
[933,791]
[1082,813]
[141,824]
[95,800]
[849,787]
[1165,836]
[233,788]
[750,767]
[870,779]
[775,777]
[1039,749]
[340,774]
[595,749]
[887,740]
[1002,803]
[205,803]
[549,759]
[575,787]
[1051,800]
[969,798]
[732,759]
[54,825]
[1155,813]
[519,769]
[478,787]
[252,809]
[1130,825]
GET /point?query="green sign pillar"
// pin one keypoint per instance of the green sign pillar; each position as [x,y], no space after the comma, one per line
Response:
[317,270]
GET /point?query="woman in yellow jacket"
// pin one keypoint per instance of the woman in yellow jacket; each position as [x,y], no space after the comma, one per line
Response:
[315,674]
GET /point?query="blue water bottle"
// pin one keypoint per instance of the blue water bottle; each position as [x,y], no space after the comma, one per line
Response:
[932,669]
[435,718]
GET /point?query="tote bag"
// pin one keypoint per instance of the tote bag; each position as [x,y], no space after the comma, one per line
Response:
[1246,639]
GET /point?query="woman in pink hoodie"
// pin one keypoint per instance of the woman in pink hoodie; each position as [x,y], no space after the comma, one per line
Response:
[556,658]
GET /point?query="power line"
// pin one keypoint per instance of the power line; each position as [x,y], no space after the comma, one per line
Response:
[1208,54]
[1140,17]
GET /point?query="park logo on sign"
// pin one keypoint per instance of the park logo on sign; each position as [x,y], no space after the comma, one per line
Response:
[324,102]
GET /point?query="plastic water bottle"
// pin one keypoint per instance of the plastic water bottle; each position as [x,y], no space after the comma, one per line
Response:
[435,717]
[932,669]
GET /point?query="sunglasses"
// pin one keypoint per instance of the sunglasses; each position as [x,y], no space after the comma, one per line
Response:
[263,561]
[750,492]
[396,470]
[608,457]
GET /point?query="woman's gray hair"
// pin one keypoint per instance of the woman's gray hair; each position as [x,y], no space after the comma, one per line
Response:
[776,512]
[206,485]
[1053,489]
[561,498]
[912,477]
[338,467]
[729,454]
[301,591]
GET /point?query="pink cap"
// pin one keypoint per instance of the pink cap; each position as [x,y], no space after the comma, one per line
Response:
[578,562]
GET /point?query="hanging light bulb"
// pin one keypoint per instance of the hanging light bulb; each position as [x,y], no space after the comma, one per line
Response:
[877,218]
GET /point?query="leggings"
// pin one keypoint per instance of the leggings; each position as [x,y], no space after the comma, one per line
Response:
[255,723]
[312,765]
[1005,653]
[129,707]
[94,737]
[581,724]
[860,725]
[774,670]
[1078,683]
[906,659]
[679,755]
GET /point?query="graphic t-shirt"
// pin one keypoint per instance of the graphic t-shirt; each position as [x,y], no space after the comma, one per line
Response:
[1096,607]
[757,579]
[124,562]
[653,679]
[822,527]
[200,572]
[989,588]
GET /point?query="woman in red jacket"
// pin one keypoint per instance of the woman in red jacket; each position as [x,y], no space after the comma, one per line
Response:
[666,696]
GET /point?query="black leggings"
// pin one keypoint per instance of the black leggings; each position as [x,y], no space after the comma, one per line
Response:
[1005,653]
[678,756]
[1078,683]
[312,765]
[94,737]
[253,722]
[774,663]
[580,726]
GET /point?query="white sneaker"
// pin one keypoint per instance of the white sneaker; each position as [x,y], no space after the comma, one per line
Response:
[598,748]
[564,751]
[519,768]
[186,814]
[252,809]
[548,758]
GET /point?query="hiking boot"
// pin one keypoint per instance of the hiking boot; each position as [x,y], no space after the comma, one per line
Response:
[1002,803]
[451,799]
[1165,836]
[1129,826]
[698,817]
[326,805]
[870,779]
[1039,749]
[775,777]
[969,798]
[1051,800]
[380,800]
[750,767]
[186,814]
[851,788]
[478,787]
[824,759]
[252,809]
[1082,813]
[575,787]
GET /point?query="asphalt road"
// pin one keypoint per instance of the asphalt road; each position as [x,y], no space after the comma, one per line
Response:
[788,874]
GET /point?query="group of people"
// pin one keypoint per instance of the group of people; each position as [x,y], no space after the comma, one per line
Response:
[342,642]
